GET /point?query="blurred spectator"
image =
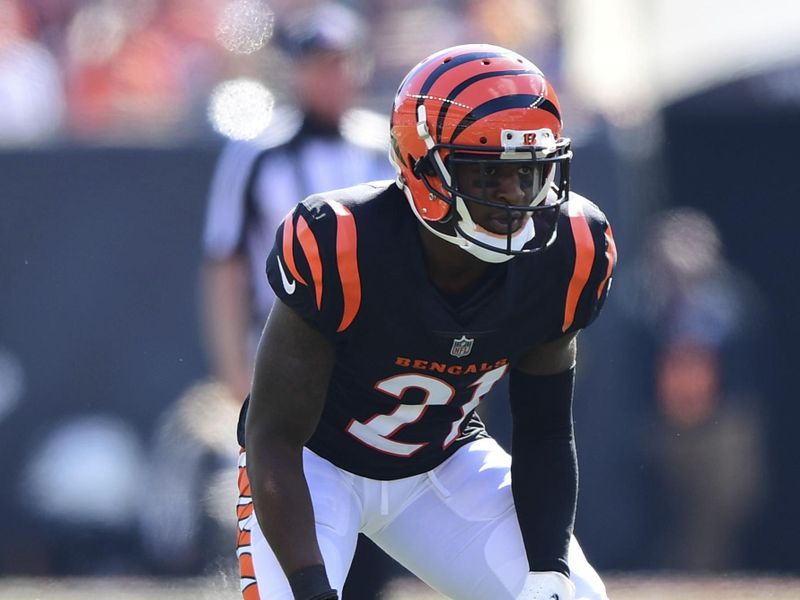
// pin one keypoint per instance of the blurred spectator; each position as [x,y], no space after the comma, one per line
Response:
[31,92]
[143,71]
[138,71]
[530,27]
[703,319]
[405,31]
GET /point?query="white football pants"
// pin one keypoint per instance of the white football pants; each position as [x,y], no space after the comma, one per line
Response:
[454,527]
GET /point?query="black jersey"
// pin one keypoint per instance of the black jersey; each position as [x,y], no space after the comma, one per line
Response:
[411,364]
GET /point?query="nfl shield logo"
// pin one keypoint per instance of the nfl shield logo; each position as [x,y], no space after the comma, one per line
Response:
[461,346]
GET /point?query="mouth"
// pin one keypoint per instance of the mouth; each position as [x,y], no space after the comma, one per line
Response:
[505,222]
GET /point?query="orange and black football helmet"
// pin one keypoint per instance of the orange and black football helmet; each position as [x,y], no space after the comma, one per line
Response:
[478,108]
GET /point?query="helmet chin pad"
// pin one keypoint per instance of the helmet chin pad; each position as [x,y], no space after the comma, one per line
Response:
[492,247]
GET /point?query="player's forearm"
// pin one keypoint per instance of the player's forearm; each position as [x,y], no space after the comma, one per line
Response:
[544,471]
[283,504]
[544,483]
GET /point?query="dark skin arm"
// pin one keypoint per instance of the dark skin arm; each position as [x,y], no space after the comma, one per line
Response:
[293,366]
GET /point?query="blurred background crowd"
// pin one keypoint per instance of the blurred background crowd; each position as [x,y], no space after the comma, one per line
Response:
[125,125]
[118,71]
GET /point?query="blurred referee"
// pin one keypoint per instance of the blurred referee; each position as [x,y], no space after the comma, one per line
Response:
[318,144]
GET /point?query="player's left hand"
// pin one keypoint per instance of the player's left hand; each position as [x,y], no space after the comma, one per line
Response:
[547,585]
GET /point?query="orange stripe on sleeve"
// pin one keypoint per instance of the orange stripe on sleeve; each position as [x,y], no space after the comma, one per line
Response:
[288,247]
[584,257]
[311,250]
[611,257]
[347,261]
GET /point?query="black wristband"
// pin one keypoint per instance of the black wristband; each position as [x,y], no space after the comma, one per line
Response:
[311,583]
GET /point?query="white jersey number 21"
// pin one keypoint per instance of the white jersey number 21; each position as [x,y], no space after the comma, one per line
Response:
[377,431]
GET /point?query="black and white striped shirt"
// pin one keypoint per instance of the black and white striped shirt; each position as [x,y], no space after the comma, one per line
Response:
[257,182]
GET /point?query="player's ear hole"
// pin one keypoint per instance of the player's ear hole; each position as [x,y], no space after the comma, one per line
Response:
[423,166]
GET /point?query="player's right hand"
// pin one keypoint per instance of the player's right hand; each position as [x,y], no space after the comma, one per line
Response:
[547,585]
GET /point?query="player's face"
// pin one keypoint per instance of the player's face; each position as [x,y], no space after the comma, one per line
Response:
[506,185]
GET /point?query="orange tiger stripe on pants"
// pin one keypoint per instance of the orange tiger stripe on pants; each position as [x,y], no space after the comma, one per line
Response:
[244,513]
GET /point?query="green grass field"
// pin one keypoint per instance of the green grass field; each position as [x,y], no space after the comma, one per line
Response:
[620,587]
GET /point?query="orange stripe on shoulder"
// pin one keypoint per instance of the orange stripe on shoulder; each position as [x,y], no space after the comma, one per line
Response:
[347,261]
[309,244]
[611,257]
[584,257]
[288,247]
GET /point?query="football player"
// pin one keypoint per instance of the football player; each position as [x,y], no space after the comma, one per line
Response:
[400,305]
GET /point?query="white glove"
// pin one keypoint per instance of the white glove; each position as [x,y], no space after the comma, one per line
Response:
[547,585]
